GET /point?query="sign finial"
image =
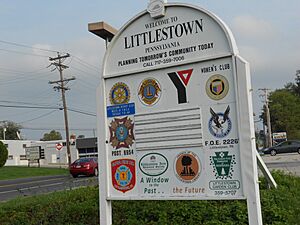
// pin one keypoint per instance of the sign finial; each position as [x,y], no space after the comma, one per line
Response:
[156,8]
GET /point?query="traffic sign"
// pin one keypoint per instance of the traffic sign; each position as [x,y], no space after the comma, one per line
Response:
[58,146]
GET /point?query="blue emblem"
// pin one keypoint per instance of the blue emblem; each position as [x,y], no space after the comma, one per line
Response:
[121,133]
[123,176]
[220,124]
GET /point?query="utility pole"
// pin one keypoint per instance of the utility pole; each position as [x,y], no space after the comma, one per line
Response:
[61,86]
[266,101]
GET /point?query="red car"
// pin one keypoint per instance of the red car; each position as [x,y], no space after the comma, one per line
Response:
[84,166]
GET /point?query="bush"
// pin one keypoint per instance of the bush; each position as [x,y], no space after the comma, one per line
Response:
[77,207]
[81,206]
[3,154]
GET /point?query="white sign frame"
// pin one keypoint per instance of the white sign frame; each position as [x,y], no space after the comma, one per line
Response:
[245,128]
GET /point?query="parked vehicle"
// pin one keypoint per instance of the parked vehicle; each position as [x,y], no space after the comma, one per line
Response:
[84,166]
[283,147]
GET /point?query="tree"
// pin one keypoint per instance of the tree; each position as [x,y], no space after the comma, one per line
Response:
[3,154]
[284,112]
[52,136]
[294,87]
[12,129]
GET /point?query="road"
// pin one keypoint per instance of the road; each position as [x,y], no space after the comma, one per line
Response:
[10,189]
[287,162]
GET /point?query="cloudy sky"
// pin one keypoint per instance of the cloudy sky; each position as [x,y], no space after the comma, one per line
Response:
[267,34]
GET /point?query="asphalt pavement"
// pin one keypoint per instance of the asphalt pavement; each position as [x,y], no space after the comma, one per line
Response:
[288,162]
[10,189]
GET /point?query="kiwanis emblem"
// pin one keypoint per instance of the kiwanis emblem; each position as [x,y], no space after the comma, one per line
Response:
[187,167]
[220,124]
[119,94]
[217,87]
[223,163]
[121,133]
[123,174]
[149,91]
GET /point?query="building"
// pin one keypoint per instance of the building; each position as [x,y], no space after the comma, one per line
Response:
[87,147]
[53,156]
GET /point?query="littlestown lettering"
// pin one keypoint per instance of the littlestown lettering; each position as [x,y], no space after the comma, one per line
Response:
[165,33]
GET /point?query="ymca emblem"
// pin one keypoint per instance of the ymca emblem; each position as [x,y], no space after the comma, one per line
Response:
[181,79]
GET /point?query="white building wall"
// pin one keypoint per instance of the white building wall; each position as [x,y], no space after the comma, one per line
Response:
[16,152]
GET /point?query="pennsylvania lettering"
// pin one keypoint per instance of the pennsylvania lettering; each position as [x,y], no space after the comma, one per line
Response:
[165,33]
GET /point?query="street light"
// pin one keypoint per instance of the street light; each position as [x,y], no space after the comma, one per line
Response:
[4,130]
[103,30]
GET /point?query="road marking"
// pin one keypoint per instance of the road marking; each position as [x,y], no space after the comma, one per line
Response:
[30,182]
[5,192]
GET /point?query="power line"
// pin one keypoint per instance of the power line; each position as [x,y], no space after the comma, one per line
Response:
[23,53]
[266,102]
[55,128]
[57,62]
[26,46]
[81,112]
[41,116]
[87,65]
[27,103]
[46,107]
[29,107]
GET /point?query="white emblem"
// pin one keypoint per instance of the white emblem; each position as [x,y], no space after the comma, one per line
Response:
[156,8]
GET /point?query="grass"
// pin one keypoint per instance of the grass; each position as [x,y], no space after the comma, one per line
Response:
[13,172]
[78,207]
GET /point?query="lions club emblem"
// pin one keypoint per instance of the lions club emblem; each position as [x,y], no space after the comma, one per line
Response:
[149,91]
[121,133]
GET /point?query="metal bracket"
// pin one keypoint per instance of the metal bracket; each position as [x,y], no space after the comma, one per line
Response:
[156,8]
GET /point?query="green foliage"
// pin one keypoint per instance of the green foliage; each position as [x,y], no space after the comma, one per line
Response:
[285,113]
[12,129]
[52,136]
[3,154]
[80,206]
[284,107]
[13,172]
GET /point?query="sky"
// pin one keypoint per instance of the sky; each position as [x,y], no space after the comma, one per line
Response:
[267,35]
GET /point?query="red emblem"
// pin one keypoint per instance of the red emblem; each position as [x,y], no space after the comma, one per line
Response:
[123,174]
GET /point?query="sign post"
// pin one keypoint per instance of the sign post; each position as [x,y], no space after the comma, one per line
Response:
[33,154]
[175,112]
[58,148]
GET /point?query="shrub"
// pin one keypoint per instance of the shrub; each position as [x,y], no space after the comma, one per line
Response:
[81,206]
[3,154]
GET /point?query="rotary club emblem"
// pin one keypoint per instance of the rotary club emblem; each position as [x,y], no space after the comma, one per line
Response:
[149,91]
[119,94]
[121,133]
